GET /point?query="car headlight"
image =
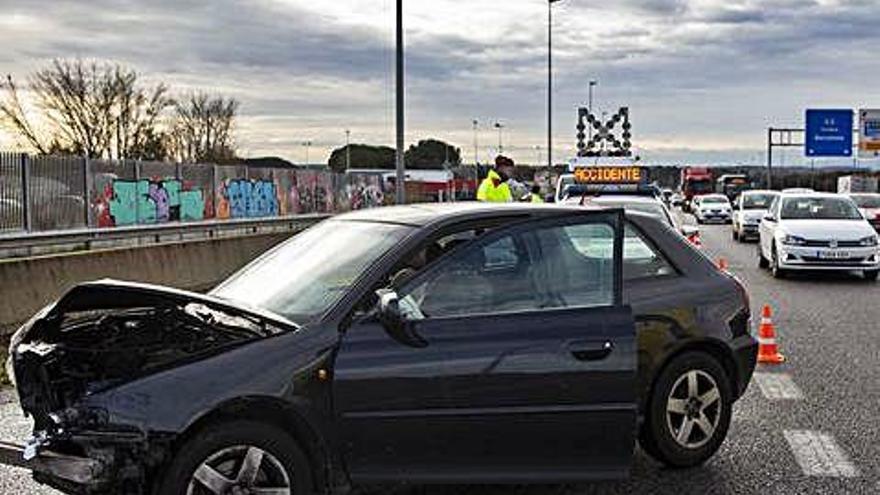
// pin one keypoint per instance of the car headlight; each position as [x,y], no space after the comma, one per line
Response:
[793,240]
[869,241]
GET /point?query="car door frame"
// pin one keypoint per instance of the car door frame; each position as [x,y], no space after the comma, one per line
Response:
[388,470]
[768,228]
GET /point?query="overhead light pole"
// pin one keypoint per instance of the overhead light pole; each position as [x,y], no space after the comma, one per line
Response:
[590,107]
[307,144]
[476,124]
[550,81]
[500,127]
[400,185]
[347,149]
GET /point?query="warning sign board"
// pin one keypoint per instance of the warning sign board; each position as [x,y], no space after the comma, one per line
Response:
[869,133]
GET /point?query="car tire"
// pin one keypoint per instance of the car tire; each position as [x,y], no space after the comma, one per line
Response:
[662,431]
[225,446]
[763,263]
[775,269]
[871,275]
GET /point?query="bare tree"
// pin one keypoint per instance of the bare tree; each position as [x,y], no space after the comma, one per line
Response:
[89,108]
[203,130]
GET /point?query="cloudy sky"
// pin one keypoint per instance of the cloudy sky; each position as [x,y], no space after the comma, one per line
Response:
[703,78]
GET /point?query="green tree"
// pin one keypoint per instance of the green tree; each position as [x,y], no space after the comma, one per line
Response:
[432,154]
[363,156]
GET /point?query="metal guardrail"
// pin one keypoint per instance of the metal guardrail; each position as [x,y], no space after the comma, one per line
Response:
[19,244]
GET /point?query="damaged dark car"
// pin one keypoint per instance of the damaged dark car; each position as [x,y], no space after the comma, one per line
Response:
[421,344]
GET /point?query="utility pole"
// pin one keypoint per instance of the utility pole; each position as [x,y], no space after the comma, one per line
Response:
[347,149]
[307,144]
[550,81]
[476,124]
[590,107]
[500,127]
[400,184]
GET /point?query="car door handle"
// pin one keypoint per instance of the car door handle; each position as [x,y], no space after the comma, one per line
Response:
[591,351]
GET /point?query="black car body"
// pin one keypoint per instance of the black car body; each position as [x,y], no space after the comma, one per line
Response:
[123,379]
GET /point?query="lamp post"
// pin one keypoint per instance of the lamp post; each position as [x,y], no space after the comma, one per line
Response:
[347,149]
[500,127]
[307,144]
[590,107]
[476,124]
[550,81]
[537,155]
[400,187]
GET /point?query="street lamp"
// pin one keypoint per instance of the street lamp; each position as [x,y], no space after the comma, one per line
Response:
[590,106]
[307,144]
[476,124]
[500,127]
[400,176]
[537,155]
[347,149]
[550,81]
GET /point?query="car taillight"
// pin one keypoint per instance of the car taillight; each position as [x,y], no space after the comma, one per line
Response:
[695,240]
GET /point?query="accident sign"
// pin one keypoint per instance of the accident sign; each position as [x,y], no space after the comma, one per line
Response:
[609,175]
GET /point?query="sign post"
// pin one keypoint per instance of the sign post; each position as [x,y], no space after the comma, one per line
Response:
[829,133]
[869,133]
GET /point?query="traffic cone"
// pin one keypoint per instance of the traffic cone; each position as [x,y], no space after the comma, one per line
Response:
[768,351]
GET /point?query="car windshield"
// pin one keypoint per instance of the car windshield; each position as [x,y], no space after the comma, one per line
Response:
[815,208]
[702,187]
[713,200]
[306,275]
[757,201]
[867,200]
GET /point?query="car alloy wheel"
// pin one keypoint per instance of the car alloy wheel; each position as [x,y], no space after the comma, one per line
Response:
[240,470]
[693,409]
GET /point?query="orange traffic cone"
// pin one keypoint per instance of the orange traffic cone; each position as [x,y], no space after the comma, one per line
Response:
[768,351]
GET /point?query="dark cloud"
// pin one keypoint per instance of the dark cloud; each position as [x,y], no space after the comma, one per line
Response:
[297,69]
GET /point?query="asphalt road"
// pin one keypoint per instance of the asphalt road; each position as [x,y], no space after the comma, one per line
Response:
[811,426]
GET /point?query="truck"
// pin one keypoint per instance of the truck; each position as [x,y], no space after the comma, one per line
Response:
[694,182]
[731,185]
[850,184]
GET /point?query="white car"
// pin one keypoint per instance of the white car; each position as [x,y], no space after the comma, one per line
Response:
[748,210]
[712,208]
[817,231]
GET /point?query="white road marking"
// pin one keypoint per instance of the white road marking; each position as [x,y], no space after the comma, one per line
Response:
[778,386]
[819,455]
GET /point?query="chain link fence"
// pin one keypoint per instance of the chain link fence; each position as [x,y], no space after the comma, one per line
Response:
[45,193]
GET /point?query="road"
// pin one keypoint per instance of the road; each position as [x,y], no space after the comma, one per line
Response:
[812,430]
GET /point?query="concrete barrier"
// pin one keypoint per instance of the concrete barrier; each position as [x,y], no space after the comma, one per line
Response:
[28,284]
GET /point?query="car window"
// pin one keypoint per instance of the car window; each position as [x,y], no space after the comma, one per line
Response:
[819,208]
[640,259]
[535,269]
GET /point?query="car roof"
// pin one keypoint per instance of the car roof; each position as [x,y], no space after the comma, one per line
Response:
[811,195]
[624,198]
[759,191]
[422,214]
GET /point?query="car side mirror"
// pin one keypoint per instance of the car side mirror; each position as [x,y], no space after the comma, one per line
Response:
[395,323]
[689,230]
[769,217]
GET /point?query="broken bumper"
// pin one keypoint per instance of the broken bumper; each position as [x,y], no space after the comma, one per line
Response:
[78,470]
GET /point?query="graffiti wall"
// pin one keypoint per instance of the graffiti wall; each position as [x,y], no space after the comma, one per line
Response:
[230,192]
[146,201]
[244,198]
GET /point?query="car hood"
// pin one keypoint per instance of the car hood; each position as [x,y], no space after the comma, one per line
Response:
[844,230]
[102,334]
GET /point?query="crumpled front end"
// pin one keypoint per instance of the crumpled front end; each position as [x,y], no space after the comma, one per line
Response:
[69,358]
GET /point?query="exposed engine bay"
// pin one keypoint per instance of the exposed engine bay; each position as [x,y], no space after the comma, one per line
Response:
[107,333]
